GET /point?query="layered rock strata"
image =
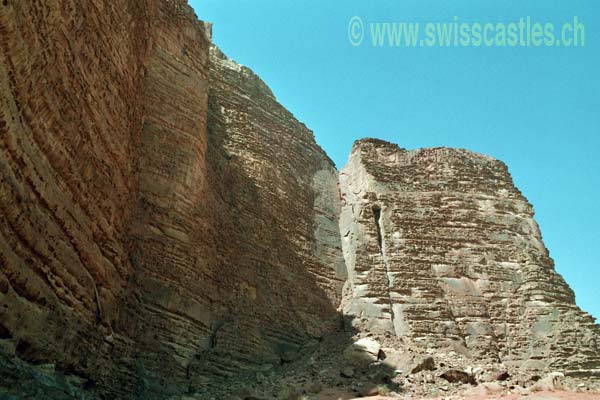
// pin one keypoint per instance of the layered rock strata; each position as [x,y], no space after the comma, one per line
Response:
[71,75]
[166,225]
[441,247]
[272,214]
[141,249]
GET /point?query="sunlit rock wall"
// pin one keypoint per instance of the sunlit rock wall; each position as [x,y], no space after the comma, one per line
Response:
[442,247]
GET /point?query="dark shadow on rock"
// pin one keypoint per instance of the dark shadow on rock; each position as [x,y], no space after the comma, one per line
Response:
[256,300]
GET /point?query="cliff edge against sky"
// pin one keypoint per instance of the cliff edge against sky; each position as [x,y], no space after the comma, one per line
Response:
[166,226]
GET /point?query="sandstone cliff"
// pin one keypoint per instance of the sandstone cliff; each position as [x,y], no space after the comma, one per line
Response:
[166,225]
[441,247]
[142,250]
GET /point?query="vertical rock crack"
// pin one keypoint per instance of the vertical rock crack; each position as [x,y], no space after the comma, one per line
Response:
[377,216]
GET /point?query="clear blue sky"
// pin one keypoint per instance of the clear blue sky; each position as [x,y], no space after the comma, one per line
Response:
[537,109]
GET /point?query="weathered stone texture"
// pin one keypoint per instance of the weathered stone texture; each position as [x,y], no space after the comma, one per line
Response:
[141,249]
[70,75]
[441,246]
[167,321]
[166,224]
[277,210]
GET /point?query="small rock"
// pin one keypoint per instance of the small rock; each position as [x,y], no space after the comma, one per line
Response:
[347,372]
[290,356]
[459,348]
[494,375]
[521,390]
[8,347]
[242,393]
[491,387]
[455,376]
[297,396]
[48,368]
[75,380]
[369,389]
[260,377]
[423,363]
[311,346]
[284,393]
[313,388]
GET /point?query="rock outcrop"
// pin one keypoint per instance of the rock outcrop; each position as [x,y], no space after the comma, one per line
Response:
[148,245]
[441,248]
[71,77]
[166,225]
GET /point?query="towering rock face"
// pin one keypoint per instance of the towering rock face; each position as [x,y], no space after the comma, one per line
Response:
[70,79]
[272,245]
[148,245]
[441,247]
[165,224]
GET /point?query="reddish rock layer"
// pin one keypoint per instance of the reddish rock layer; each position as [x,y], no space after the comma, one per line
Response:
[140,249]
[70,78]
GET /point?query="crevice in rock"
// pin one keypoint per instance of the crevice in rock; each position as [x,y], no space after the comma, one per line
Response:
[377,216]
[4,332]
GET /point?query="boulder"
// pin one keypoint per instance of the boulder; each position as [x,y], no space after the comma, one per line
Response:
[362,352]
[456,376]
[551,382]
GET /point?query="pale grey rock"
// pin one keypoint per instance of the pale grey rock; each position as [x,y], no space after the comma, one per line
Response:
[441,246]
[362,352]
[347,372]
[551,382]
[369,389]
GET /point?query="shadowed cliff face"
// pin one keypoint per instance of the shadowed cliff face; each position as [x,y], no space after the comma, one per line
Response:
[442,247]
[166,225]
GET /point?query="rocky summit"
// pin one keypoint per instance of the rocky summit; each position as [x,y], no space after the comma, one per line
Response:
[169,231]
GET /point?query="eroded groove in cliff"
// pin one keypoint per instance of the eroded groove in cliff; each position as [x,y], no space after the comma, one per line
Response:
[377,216]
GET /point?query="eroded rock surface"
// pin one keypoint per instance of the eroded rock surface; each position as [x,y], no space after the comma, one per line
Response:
[148,245]
[167,227]
[442,250]
[71,78]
